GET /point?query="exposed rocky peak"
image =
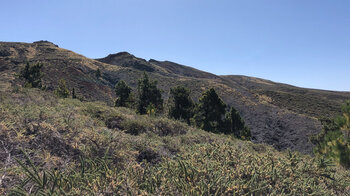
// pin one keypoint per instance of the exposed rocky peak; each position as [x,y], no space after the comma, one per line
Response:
[126,59]
[153,61]
[45,42]
[119,55]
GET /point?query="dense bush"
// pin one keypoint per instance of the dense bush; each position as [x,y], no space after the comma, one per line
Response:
[136,126]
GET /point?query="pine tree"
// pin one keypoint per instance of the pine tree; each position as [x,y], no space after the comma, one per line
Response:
[235,124]
[32,75]
[181,104]
[148,93]
[123,92]
[210,112]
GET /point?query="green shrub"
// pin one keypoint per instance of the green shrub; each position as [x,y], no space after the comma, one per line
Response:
[166,127]
[62,90]
[151,110]
[334,142]
[136,126]
[32,75]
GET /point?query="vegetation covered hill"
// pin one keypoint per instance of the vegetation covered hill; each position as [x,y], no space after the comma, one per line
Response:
[64,146]
[54,145]
[277,114]
[310,102]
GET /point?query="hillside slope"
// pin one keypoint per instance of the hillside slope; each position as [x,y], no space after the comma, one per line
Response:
[278,114]
[53,146]
[311,102]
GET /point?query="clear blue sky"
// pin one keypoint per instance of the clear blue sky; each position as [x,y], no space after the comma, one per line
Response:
[301,42]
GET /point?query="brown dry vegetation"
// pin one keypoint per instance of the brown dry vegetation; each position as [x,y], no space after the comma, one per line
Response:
[87,147]
[283,121]
[90,148]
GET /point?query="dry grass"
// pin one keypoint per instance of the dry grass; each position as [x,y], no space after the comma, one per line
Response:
[90,148]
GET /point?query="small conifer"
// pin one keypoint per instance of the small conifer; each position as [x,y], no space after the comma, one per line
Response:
[210,112]
[181,104]
[148,93]
[123,92]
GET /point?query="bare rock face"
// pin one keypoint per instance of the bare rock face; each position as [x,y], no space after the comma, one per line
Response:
[277,114]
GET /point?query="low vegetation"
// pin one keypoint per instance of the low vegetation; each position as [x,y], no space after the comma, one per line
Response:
[74,147]
[317,106]
[56,145]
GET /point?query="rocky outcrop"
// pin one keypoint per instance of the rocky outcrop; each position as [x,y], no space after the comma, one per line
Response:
[127,60]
